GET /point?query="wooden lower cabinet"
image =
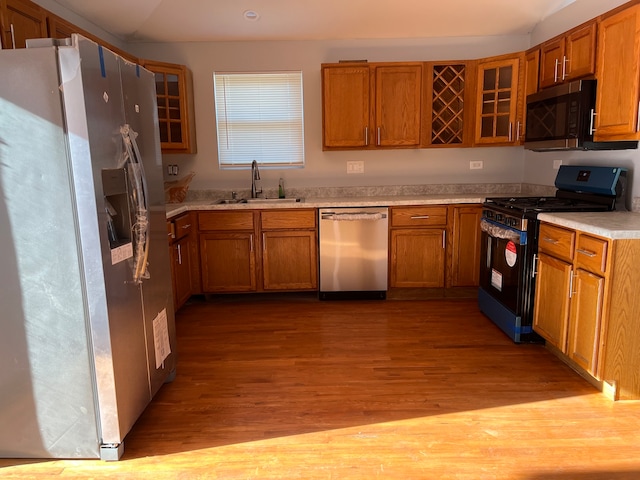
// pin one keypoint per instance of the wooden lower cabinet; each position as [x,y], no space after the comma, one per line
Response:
[464,257]
[183,256]
[585,320]
[289,249]
[417,258]
[289,260]
[570,291]
[227,251]
[552,300]
[228,262]
[417,247]
[258,250]
[435,246]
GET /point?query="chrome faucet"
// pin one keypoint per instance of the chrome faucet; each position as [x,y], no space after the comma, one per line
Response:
[255,175]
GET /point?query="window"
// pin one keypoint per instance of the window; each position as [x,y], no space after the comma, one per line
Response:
[259,117]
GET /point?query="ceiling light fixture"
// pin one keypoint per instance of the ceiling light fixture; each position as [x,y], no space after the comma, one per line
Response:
[251,15]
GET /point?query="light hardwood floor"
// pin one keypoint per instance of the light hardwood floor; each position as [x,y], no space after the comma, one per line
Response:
[273,387]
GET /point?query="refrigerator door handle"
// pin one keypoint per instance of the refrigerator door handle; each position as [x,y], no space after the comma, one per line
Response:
[138,200]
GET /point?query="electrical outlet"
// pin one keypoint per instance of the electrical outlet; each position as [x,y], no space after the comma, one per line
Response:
[556,164]
[476,165]
[355,167]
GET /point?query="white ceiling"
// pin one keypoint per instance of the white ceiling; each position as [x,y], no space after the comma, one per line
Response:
[220,20]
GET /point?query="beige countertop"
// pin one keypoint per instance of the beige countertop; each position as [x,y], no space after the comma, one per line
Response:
[174,209]
[613,225]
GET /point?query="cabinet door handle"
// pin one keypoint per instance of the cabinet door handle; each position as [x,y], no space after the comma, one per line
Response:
[366,136]
[188,225]
[179,255]
[555,71]
[419,217]
[588,253]
[565,60]
[444,239]
[571,277]
[510,130]
[638,120]
[534,270]
[378,140]
[13,36]
[551,240]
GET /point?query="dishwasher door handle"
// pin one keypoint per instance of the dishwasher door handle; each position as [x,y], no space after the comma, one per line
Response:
[353,216]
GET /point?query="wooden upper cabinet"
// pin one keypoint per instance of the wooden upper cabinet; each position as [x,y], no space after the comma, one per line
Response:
[21,20]
[398,105]
[60,28]
[499,100]
[568,57]
[345,105]
[618,75]
[371,105]
[447,104]
[174,92]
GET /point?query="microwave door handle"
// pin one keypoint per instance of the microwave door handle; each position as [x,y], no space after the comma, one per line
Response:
[592,121]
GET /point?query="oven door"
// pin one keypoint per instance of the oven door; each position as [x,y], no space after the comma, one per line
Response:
[502,268]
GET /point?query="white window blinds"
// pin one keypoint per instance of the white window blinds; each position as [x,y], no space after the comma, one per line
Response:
[259,117]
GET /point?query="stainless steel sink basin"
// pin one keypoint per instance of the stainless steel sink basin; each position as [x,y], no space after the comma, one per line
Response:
[275,200]
[229,201]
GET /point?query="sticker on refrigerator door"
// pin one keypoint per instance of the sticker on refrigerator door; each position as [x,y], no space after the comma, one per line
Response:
[496,279]
[121,253]
[161,343]
[510,253]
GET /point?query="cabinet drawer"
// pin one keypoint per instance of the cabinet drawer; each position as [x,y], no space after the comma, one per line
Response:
[170,231]
[226,220]
[418,216]
[557,241]
[288,219]
[182,226]
[591,253]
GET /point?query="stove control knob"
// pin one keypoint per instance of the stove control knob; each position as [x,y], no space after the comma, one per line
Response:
[488,214]
[499,217]
[513,222]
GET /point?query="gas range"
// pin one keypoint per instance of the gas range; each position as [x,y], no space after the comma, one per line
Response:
[516,212]
[580,189]
[509,244]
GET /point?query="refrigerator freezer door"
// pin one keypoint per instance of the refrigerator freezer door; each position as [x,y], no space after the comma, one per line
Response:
[47,404]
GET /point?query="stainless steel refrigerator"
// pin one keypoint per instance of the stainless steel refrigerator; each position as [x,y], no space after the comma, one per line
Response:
[87,333]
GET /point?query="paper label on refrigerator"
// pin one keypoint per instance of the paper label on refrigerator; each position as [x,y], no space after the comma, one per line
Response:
[121,253]
[161,337]
[496,279]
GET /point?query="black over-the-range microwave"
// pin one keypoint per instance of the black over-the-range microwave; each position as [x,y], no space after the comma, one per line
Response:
[561,118]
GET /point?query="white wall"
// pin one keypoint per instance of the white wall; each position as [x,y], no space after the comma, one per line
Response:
[388,167]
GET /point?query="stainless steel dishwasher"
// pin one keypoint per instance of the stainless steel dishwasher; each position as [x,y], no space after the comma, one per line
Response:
[354,249]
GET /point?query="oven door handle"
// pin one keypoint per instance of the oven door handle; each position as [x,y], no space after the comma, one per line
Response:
[499,231]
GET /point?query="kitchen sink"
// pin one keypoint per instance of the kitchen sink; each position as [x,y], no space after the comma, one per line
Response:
[274,200]
[229,201]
